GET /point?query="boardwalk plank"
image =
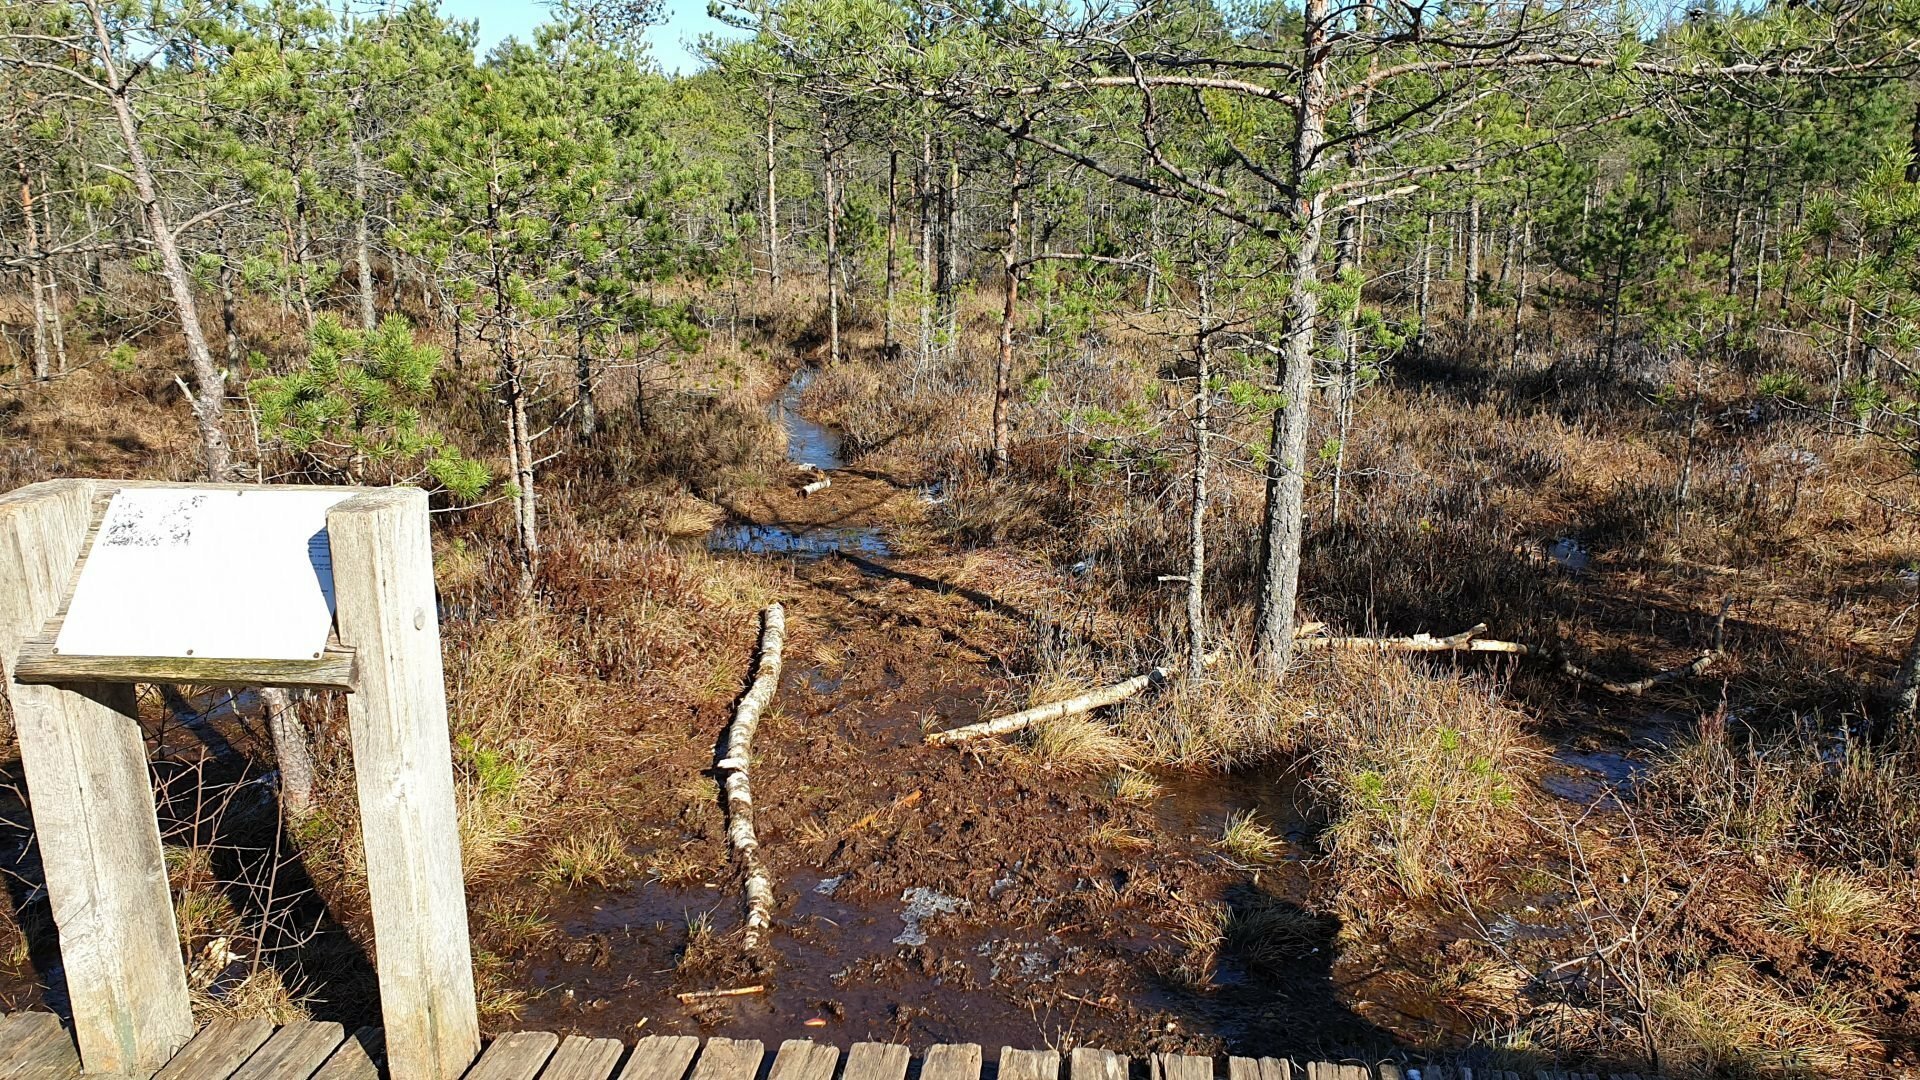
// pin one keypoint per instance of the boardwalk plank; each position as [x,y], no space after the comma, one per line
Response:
[877,1061]
[1182,1067]
[295,1052]
[19,1029]
[42,1051]
[660,1057]
[1029,1064]
[803,1059]
[517,1055]
[729,1059]
[951,1061]
[220,1048]
[1087,1063]
[582,1058]
[1241,1068]
[358,1058]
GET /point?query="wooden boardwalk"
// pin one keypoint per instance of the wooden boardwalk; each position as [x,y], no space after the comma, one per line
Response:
[34,1046]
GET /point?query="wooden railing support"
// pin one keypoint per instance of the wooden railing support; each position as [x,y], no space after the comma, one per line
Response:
[93,808]
[403,761]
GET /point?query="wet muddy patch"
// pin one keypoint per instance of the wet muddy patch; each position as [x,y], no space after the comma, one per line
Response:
[802,543]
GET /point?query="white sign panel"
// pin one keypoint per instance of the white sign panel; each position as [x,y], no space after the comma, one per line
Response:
[224,575]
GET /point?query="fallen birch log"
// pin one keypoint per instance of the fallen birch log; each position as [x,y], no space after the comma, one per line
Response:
[733,768]
[1058,710]
[821,484]
[1636,687]
[1468,640]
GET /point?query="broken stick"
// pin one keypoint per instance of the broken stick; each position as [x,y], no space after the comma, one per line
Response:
[733,767]
[735,991]
[1468,640]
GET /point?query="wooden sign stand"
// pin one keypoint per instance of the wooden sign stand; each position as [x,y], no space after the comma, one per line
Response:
[93,805]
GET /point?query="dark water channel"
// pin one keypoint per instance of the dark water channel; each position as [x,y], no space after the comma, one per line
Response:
[921,966]
[814,446]
[926,967]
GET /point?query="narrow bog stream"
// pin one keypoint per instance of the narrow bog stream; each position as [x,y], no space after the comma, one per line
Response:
[809,445]
[1061,934]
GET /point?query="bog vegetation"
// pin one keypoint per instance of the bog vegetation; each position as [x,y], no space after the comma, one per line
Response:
[1265,347]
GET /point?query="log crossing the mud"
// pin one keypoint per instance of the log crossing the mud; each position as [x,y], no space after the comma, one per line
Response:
[35,1046]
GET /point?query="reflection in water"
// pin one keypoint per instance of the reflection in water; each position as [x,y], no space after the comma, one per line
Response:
[1569,555]
[808,443]
[801,543]
[812,444]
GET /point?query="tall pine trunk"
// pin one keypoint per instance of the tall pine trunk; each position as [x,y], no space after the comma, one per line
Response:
[1197,512]
[773,196]
[893,240]
[52,279]
[1003,362]
[1284,521]
[42,321]
[586,415]
[362,242]
[950,269]
[926,246]
[833,251]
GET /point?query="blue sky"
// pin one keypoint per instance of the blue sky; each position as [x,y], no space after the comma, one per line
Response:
[672,41]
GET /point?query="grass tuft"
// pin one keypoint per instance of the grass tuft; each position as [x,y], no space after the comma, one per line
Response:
[1825,906]
[597,857]
[1133,785]
[1076,744]
[1248,841]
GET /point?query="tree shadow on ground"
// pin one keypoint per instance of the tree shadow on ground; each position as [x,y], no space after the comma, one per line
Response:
[220,818]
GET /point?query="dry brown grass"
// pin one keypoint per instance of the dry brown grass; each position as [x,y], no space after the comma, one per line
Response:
[1230,718]
[1076,744]
[1422,771]
[1246,839]
[1825,906]
[1729,1018]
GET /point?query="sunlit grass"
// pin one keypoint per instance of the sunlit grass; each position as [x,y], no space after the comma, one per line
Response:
[1245,839]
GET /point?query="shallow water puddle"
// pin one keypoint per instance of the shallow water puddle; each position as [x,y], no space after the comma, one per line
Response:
[808,443]
[799,543]
[1570,555]
[816,446]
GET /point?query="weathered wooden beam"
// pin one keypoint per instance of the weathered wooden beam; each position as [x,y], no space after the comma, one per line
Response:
[403,764]
[40,664]
[93,807]
[951,1061]
[1089,1063]
[1029,1064]
[582,1058]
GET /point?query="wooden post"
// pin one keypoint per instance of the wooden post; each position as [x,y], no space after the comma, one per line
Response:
[385,611]
[93,808]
